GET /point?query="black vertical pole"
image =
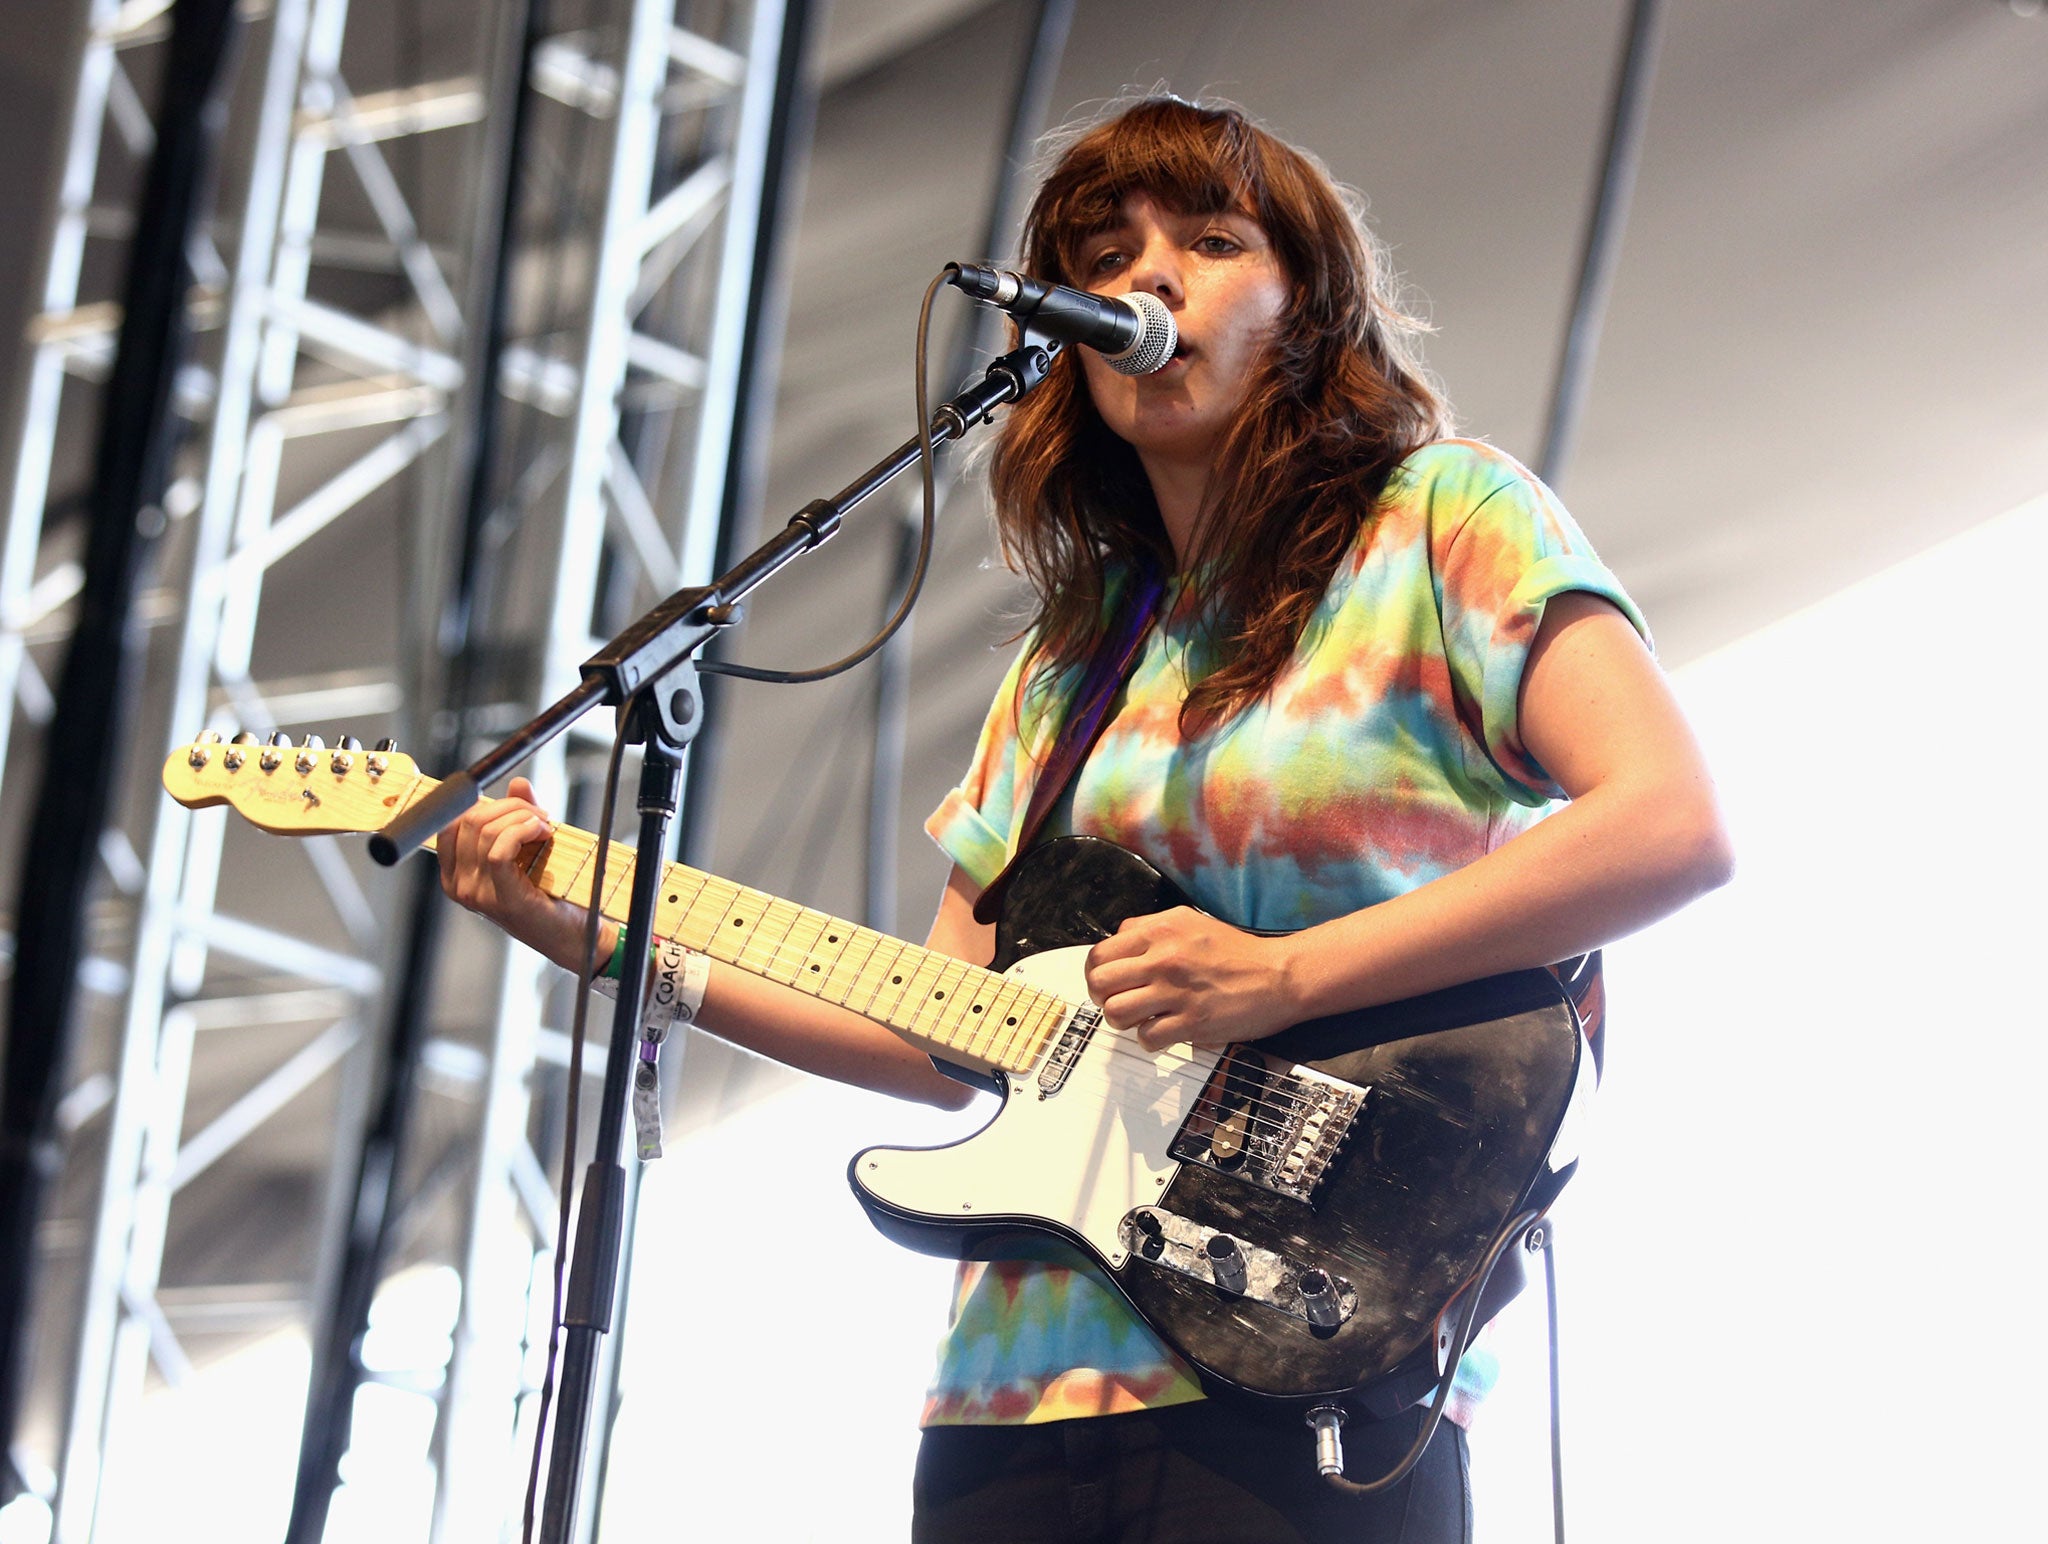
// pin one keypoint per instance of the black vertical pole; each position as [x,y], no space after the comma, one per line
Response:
[1028,107]
[789,144]
[137,437]
[1603,241]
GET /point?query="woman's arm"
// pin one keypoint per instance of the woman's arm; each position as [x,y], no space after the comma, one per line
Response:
[483,866]
[1641,836]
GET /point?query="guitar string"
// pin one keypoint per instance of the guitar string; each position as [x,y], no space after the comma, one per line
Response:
[1261,1091]
[1261,1088]
[1254,1085]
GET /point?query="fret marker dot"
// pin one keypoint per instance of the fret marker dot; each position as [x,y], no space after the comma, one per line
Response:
[895,981]
[977,1007]
[739,921]
[814,970]
[938,997]
[1009,1021]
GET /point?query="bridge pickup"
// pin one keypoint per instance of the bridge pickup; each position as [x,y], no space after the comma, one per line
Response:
[1279,1128]
[1067,1050]
[1302,1290]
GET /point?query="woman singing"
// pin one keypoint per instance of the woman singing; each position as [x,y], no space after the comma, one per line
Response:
[1380,658]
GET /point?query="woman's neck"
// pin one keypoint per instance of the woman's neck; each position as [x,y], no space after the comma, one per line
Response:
[1180,489]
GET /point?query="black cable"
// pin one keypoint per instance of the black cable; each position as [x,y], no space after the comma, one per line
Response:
[1030,105]
[1545,1238]
[924,550]
[1468,1327]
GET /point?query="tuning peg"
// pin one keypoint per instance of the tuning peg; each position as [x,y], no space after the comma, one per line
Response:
[201,753]
[272,759]
[343,760]
[246,737]
[348,742]
[387,747]
[237,751]
[207,737]
[306,761]
[380,757]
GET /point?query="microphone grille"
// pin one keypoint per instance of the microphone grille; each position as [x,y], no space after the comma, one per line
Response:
[1157,337]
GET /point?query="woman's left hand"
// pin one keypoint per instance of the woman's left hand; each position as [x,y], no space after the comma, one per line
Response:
[1180,975]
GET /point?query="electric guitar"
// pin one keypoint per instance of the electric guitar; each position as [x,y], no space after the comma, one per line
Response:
[1301,1217]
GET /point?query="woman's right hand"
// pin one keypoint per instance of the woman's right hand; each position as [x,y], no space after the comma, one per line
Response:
[485,857]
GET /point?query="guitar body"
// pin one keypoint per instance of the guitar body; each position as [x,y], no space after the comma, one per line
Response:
[1384,1149]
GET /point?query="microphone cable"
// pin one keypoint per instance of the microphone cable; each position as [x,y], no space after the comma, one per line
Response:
[927,527]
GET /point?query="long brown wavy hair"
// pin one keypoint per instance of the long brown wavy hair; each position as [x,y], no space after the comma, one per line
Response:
[1334,407]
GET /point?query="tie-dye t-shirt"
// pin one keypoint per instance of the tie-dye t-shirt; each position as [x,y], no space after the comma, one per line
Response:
[1387,753]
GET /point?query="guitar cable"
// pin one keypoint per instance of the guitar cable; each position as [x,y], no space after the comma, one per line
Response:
[1327,1420]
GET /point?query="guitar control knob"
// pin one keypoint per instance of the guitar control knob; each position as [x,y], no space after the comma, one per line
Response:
[1151,1233]
[1319,1303]
[1226,1262]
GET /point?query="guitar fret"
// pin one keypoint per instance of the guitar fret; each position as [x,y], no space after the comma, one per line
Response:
[618,877]
[708,911]
[847,963]
[1002,1021]
[923,975]
[681,888]
[882,963]
[939,1004]
[785,955]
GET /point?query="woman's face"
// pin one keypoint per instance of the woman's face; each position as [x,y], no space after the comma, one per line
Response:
[1220,277]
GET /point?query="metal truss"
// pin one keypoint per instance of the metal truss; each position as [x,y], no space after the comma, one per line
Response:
[330,397]
[631,390]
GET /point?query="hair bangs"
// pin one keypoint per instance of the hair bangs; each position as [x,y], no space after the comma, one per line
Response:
[1194,160]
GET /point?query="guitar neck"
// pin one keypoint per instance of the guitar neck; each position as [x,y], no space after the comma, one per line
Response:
[941,1004]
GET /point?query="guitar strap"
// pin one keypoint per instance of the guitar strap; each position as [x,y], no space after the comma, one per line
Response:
[1108,668]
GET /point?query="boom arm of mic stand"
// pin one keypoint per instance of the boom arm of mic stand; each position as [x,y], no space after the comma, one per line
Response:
[682,624]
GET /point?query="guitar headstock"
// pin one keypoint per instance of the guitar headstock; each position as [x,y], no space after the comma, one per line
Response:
[302,790]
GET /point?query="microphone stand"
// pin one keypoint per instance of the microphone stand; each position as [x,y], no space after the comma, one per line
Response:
[664,714]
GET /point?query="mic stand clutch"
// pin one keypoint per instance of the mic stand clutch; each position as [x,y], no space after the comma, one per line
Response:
[665,717]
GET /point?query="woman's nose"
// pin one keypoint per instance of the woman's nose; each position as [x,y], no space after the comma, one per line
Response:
[1157,271]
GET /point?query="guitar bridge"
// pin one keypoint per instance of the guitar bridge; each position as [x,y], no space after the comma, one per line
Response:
[1279,1129]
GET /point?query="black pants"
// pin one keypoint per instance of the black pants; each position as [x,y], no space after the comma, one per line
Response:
[1198,1473]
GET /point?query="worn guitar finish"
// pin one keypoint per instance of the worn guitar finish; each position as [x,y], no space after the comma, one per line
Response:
[1296,1216]
[1464,1092]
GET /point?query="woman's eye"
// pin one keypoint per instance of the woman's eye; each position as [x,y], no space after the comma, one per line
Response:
[1105,262]
[1216,245]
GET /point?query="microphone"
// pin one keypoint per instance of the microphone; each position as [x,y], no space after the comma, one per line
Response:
[1134,334]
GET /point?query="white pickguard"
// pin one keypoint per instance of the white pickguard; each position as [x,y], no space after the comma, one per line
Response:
[1082,1158]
